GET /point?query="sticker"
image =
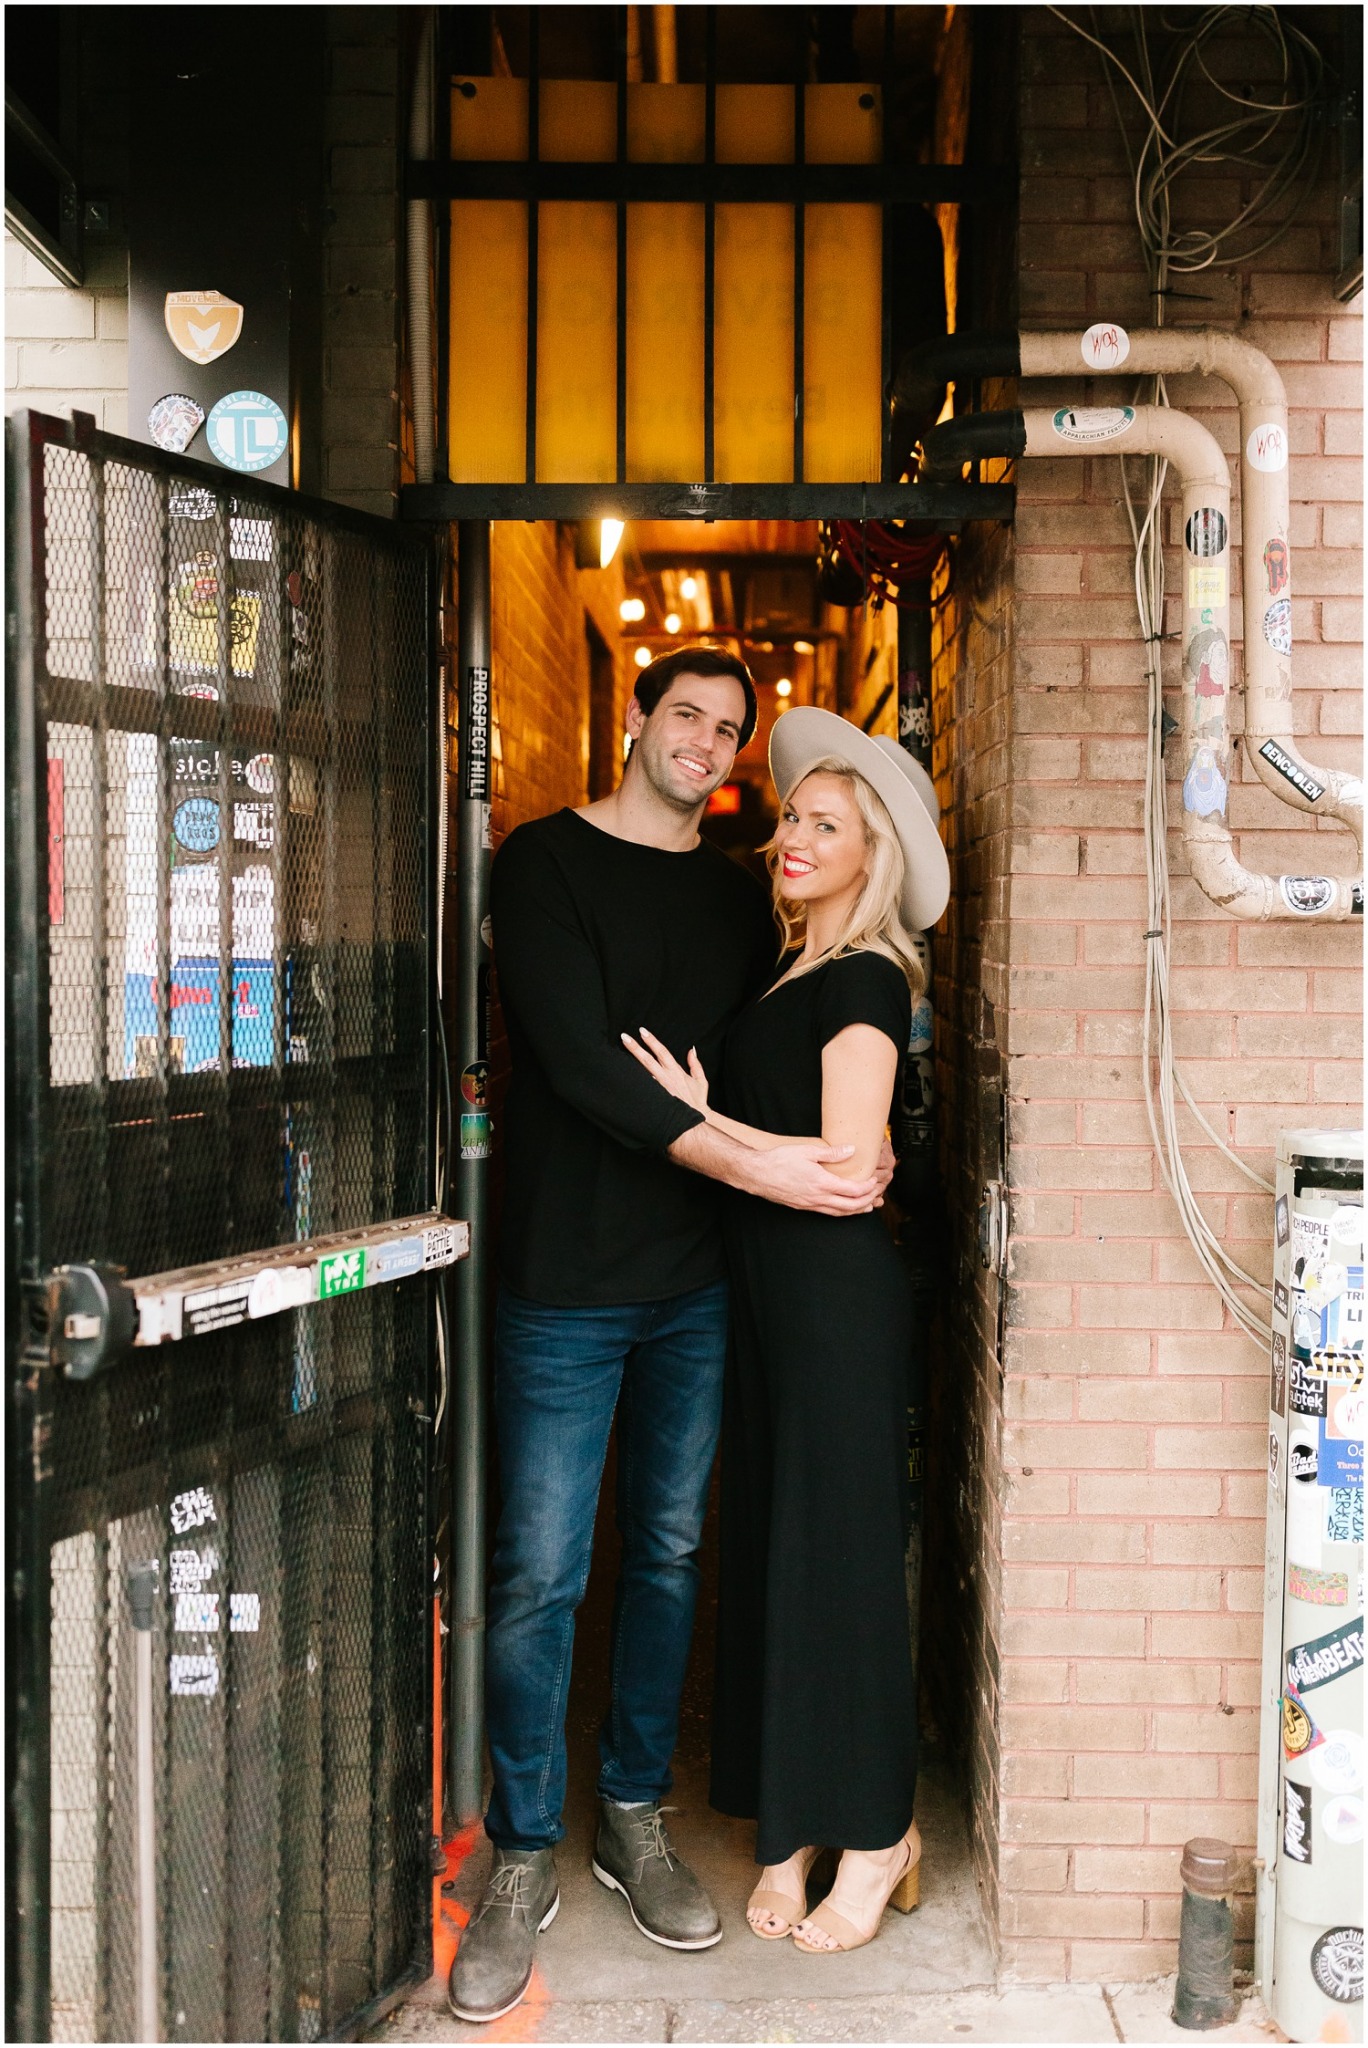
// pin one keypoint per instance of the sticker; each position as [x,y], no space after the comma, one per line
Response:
[202,325]
[1340,1462]
[1342,1818]
[1204,786]
[475,719]
[197,1613]
[260,774]
[216,1308]
[1337,1765]
[1348,1413]
[342,1273]
[1275,566]
[1325,1657]
[196,824]
[396,1261]
[1277,625]
[1299,1731]
[1346,1225]
[1318,1588]
[1344,1514]
[189,1570]
[475,1084]
[1337,1964]
[1292,771]
[244,1614]
[1306,894]
[1206,585]
[1296,1822]
[194,635]
[174,422]
[1280,1298]
[474,1136]
[487,932]
[439,1246]
[1266,449]
[195,1676]
[1336,1368]
[921,1037]
[1303,1461]
[247,431]
[1274,1456]
[1206,532]
[1305,1389]
[191,502]
[1207,661]
[1323,1283]
[1280,1215]
[1093,422]
[487,827]
[279,1287]
[1277,1397]
[192,1510]
[249,540]
[1105,346]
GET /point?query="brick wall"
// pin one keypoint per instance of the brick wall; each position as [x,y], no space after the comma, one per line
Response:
[1134,1441]
[65,350]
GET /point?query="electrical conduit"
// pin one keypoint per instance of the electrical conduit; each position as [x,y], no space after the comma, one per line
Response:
[1201,467]
[419,272]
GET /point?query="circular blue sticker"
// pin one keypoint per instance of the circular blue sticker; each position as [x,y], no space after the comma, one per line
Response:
[247,431]
[196,824]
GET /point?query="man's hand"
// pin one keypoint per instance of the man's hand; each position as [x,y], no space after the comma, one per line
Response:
[797,1176]
[884,1171]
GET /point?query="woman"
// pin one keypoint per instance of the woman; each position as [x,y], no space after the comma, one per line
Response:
[815,1715]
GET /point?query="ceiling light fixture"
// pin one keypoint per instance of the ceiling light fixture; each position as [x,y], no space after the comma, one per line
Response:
[610,533]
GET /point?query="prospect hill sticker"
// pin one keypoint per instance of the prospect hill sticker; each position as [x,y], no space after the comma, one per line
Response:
[1337,1964]
[202,325]
[1093,422]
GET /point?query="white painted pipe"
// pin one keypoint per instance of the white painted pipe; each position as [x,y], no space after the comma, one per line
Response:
[419,244]
[1106,350]
[1205,479]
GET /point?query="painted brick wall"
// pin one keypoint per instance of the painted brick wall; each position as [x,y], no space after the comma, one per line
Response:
[1134,1440]
[65,350]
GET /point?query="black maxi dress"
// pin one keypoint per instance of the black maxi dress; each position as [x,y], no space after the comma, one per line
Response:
[814,1717]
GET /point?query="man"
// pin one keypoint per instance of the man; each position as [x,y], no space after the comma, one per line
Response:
[613,1295]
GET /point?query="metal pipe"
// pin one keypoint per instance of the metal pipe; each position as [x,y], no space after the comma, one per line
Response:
[470,1163]
[419,268]
[142,1592]
[1205,479]
[1265,512]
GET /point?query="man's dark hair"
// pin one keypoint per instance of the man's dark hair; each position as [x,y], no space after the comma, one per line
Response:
[653,682]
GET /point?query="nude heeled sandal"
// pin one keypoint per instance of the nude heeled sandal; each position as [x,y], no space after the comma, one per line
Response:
[904,1894]
[781,1905]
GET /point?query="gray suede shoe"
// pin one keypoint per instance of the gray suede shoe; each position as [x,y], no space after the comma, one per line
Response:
[633,1856]
[493,1965]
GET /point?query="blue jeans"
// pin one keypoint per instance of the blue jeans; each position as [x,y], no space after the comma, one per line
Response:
[559,1373]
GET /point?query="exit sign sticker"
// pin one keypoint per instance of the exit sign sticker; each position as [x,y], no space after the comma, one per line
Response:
[343,1273]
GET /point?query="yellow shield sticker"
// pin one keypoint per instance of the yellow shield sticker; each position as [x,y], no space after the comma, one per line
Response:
[203,325]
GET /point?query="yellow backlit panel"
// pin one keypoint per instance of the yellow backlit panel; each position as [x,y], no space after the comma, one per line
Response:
[755,124]
[753,344]
[576,121]
[839,127]
[664,343]
[576,342]
[489,120]
[842,345]
[488,404]
[666,124]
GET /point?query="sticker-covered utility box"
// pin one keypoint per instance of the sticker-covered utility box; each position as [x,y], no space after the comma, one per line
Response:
[1309,1939]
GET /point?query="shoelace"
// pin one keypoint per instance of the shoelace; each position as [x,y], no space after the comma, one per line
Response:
[509,1886]
[655,1841]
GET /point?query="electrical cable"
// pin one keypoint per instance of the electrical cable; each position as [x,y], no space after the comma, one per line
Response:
[1163,156]
[884,555]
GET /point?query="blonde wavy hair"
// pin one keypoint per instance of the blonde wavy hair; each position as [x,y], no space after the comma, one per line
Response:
[875,922]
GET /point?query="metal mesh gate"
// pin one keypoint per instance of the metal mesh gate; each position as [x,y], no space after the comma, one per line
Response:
[220,792]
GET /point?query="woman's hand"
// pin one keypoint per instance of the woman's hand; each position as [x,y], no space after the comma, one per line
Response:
[661,1064]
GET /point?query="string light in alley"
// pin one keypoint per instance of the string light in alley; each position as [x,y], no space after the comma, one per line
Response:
[631,610]
[688,588]
[672,622]
[642,657]
[783,688]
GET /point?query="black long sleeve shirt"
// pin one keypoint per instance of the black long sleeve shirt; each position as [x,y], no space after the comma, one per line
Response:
[594,936]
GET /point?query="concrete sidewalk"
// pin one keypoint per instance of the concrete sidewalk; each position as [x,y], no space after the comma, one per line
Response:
[928,1977]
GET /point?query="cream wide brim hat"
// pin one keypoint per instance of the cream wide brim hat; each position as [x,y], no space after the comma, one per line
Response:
[806,735]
